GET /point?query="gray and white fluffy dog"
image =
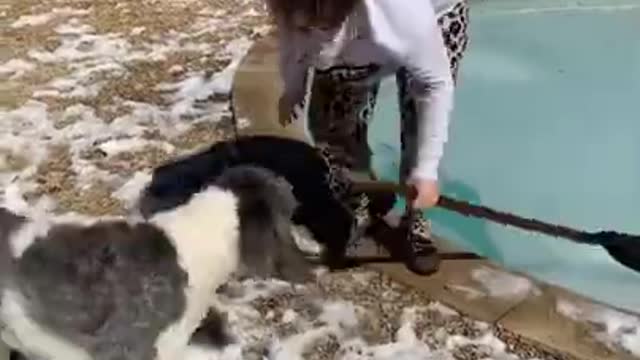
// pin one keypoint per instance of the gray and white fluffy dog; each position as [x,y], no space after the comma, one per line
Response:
[122,288]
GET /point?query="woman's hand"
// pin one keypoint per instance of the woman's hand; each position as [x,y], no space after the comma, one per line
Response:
[428,193]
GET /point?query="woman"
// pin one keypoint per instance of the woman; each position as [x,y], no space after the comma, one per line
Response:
[333,55]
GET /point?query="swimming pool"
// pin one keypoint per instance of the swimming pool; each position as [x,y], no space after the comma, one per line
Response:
[547,125]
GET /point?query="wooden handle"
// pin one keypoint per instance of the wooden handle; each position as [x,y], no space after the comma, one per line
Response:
[477,211]
[624,248]
[384,186]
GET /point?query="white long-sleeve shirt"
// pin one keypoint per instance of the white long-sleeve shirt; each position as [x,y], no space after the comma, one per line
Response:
[391,34]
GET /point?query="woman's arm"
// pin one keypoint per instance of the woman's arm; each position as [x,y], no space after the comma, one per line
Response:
[425,58]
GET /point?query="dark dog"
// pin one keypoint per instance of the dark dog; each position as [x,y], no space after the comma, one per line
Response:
[111,289]
[320,211]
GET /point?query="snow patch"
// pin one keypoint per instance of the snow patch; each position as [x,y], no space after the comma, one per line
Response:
[187,93]
[129,193]
[88,56]
[169,43]
[619,329]
[30,129]
[292,348]
[501,284]
[442,309]
[339,314]
[243,123]
[289,316]
[236,49]
[252,289]
[74,27]
[117,146]
[469,292]
[406,346]
[13,199]
[44,18]
[203,353]
[15,68]
[137,30]
[487,343]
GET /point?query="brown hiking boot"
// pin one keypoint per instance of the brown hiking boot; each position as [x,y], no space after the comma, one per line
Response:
[409,242]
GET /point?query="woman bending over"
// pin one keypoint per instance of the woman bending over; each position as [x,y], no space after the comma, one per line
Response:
[333,55]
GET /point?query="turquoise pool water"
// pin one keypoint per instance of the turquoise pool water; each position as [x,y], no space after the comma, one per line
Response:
[547,125]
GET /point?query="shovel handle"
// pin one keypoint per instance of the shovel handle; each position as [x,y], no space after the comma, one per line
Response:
[624,248]
[407,191]
[477,211]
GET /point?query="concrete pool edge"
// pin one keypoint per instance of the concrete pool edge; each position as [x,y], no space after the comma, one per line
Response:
[534,317]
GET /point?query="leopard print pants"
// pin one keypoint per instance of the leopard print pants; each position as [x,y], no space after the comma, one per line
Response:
[339,112]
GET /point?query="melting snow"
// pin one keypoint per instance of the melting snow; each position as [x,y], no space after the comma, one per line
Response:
[15,68]
[340,320]
[130,191]
[44,18]
[442,309]
[89,56]
[469,292]
[237,50]
[137,30]
[619,329]
[198,87]
[117,146]
[501,284]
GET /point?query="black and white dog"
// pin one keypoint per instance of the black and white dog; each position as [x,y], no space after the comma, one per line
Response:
[300,164]
[103,289]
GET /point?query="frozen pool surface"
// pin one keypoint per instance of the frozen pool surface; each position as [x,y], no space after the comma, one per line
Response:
[547,125]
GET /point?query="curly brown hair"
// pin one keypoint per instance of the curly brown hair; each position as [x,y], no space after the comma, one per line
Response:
[307,13]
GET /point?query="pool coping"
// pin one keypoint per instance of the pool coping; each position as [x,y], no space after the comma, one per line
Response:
[532,314]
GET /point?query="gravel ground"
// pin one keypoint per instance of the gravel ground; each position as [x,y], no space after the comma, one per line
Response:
[95,93]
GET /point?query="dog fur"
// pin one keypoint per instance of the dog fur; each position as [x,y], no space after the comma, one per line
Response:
[266,207]
[300,164]
[122,289]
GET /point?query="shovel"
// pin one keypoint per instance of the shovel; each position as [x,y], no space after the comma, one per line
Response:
[624,248]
